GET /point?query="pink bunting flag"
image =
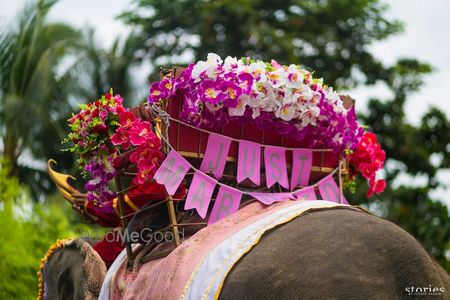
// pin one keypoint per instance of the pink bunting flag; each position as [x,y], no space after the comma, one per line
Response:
[227,202]
[249,162]
[275,164]
[270,198]
[301,167]
[215,155]
[306,194]
[200,192]
[172,171]
[329,190]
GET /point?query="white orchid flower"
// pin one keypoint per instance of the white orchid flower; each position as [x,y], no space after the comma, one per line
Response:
[213,107]
[309,116]
[240,108]
[256,113]
[277,78]
[286,112]
[294,77]
[258,71]
[207,67]
[230,63]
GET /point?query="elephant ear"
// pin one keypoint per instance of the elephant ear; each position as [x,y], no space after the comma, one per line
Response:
[71,269]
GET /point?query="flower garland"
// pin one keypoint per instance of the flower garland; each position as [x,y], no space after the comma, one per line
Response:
[272,96]
[57,245]
[147,145]
[101,132]
[286,98]
[368,159]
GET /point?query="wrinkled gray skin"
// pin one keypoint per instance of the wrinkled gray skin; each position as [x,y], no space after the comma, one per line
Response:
[335,254]
[75,271]
[327,254]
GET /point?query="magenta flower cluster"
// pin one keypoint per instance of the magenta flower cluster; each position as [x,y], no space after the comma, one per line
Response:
[100,133]
[285,98]
[102,171]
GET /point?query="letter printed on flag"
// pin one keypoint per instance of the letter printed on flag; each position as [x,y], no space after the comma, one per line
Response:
[249,162]
[301,167]
[215,155]
[227,202]
[200,192]
[306,194]
[275,164]
[329,190]
[172,171]
[270,198]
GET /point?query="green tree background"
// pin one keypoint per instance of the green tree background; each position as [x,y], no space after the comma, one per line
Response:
[45,68]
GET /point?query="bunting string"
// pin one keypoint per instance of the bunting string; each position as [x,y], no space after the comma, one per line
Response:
[244,192]
[174,168]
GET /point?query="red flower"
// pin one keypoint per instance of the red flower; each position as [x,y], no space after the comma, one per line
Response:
[376,188]
[121,137]
[147,161]
[367,159]
[126,117]
[366,170]
[139,131]
[118,99]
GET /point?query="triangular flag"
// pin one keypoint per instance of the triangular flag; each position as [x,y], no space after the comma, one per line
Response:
[200,192]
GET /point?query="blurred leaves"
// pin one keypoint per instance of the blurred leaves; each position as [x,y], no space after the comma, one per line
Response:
[33,96]
[27,229]
[105,69]
[410,150]
[330,37]
[46,70]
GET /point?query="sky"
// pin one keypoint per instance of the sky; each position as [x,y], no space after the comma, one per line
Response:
[426,37]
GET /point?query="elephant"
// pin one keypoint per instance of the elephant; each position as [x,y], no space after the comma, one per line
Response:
[72,271]
[324,254]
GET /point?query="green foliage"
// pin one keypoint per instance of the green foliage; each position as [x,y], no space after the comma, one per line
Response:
[33,92]
[331,37]
[27,230]
[104,69]
[410,149]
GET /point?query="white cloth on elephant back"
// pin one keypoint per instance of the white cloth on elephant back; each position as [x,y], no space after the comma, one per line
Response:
[216,265]
[210,253]
[106,286]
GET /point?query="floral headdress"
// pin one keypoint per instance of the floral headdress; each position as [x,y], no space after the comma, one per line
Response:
[287,98]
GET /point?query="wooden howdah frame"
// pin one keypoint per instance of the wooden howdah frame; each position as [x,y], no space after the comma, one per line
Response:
[191,144]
